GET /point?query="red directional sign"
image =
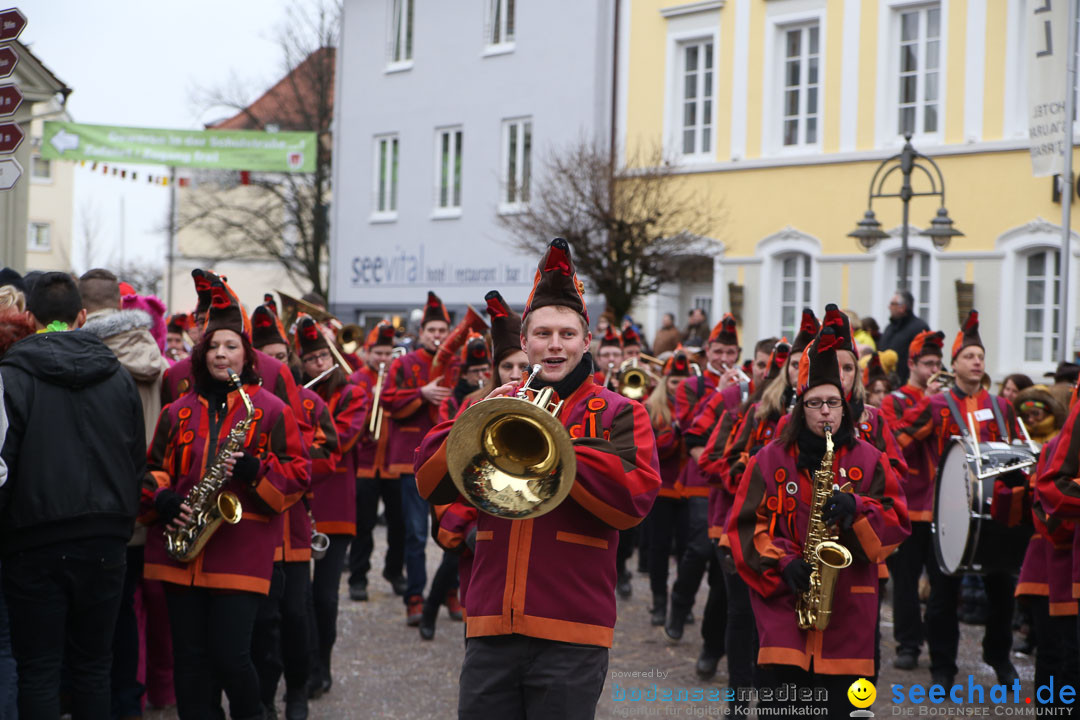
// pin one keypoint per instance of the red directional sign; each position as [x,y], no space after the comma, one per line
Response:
[8,60]
[10,100]
[12,23]
[11,136]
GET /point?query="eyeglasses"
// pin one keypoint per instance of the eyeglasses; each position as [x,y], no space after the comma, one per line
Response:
[816,403]
[317,357]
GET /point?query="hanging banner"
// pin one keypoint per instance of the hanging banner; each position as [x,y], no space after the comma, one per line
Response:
[289,152]
[1047,42]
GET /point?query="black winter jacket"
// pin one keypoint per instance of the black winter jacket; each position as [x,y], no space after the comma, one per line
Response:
[898,336]
[76,445]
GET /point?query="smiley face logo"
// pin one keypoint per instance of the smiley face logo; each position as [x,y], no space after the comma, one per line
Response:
[862,693]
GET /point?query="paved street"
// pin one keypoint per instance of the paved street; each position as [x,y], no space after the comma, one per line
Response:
[383,670]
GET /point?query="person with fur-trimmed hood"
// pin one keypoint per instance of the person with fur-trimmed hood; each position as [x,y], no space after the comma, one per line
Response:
[767,529]
[541,599]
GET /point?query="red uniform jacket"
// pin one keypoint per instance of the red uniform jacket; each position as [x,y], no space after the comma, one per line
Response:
[372,458]
[240,556]
[553,577]
[334,501]
[919,483]
[703,418]
[454,523]
[411,417]
[320,438]
[672,455]
[713,468]
[767,529]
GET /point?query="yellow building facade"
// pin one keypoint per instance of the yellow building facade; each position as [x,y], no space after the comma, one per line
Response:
[779,111]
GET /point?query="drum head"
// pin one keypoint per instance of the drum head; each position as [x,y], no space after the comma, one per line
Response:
[952,509]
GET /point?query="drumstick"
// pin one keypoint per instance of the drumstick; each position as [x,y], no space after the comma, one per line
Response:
[1027,436]
[975,442]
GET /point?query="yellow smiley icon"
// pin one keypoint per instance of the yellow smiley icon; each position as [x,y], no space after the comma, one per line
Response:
[862,693]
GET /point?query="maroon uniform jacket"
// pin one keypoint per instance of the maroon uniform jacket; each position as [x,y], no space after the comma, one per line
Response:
[320,438]
[455,521]
[334,501]
[767,529]
[553,577]
[240,556]
[372,458]
[919,483]
[672,455]
[411,417]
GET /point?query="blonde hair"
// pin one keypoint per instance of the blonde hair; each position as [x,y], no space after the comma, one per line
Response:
[657,404]
[12,297]
[772,397]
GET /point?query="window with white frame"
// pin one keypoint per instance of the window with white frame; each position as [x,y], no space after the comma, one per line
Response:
[401,31]
[448,149]
[695,93]
[919,70]
[517,161]
[801,85]
[1042,276]
[386,176]
[38,237]
[500,23]
[918,280]
[40,168]
[795,283]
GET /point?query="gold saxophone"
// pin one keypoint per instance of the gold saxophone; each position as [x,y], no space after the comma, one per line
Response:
[209,503]
[826,556]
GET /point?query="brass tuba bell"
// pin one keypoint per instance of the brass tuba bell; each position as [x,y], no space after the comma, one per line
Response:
[350,337]
[510,456]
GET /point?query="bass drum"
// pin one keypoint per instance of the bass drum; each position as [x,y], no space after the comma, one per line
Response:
[966,538]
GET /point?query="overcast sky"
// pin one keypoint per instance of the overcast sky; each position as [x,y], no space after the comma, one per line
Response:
[139,63]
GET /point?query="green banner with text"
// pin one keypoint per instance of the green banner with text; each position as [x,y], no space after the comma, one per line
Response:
[212,149]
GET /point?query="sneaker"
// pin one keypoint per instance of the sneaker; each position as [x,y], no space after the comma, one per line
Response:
[358,593]
[453,606]
[906,660]
[414,610]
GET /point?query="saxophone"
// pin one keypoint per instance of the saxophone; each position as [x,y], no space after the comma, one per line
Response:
[209,503]
[825,556]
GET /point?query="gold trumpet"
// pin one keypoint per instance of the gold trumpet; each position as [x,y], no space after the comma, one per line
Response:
[942,376]
[512,459]
[633,380]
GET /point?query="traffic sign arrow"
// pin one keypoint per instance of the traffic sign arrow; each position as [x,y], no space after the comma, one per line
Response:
[12,23]
[11,136]
[8,60]
[10,172]
[10,99]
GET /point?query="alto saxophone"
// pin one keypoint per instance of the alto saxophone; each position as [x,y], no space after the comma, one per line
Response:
[210,504]
[825,556]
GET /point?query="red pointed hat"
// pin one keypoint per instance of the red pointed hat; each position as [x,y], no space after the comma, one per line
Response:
[968,335]
[556,282]
[873,371]
[308,338]
[475,352]
[630,337]
[178,323]
[434,310]
[778,358]
[203,280]
[808,330]
[725,332]
[381,334]
[611,338]
[819,365]
[270,302]
[266,328]
[225,311]
[841,325]
[927,342]
[505,327]
[678,365]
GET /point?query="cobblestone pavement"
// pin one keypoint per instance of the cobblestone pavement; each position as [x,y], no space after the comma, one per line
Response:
[382,669]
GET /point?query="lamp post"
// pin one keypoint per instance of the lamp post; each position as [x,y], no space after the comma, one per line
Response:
[868,230]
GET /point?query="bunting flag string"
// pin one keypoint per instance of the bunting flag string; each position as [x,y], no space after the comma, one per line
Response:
[162,180]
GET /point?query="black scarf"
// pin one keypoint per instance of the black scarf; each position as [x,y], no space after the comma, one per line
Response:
[216,393]
[565,388]
[812,447]
[462,389]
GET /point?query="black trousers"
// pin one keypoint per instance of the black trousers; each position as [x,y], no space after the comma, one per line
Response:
[281,643]
[836,686]
[127,691]
[943,625]
[512,677]
[740,638]
[628,540]
[698,559]
[63,600]
[325,589]
[445,580]
[1056,654]
[368,493]
[211,634]
[667,520]
[905,569]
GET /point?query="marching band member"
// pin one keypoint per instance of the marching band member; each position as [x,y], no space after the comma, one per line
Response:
[334,499]
[214,598]
[875,381]
[769,523]
[411,402]
[509,361]
[475,371]
[932,422]
[609,358]
[175,346]
[541,600]
[915,553]
[374,478]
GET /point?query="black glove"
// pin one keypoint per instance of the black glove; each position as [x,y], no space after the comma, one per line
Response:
[1013,479]
[726,560]
[470,539]
[839,509]
[167,504]
[246,469]
[797,575]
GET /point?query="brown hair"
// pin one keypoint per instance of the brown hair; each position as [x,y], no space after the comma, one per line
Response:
[99,289]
